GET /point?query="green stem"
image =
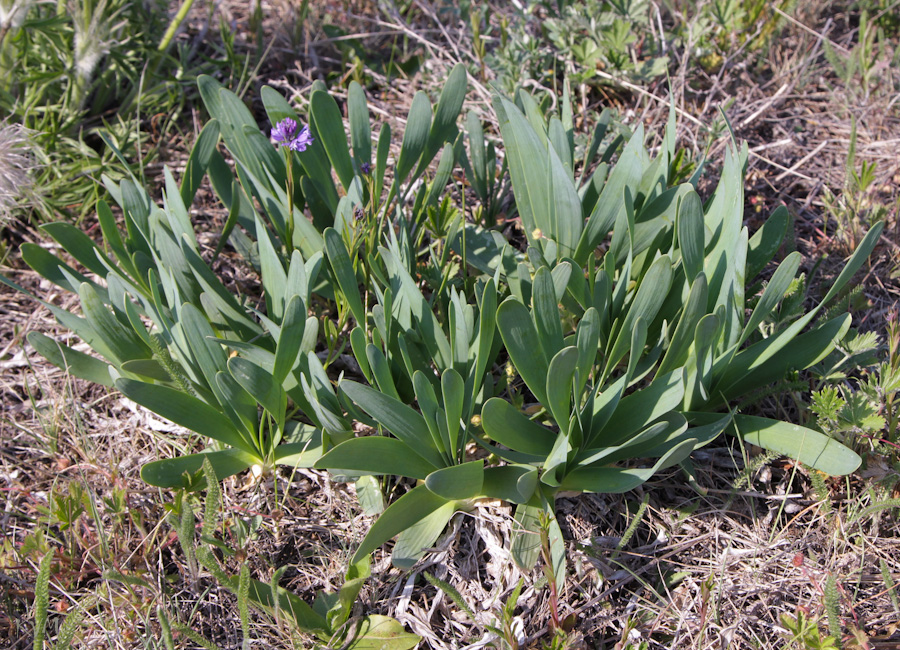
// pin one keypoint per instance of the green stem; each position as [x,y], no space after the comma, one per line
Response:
[174,25]
[289,183]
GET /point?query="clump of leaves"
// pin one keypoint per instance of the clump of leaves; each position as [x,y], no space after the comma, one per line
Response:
[587,41]
[866,406]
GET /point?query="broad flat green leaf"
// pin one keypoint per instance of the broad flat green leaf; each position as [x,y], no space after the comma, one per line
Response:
[477,155]
[50,267]
[640,408]
[325,114]
[651,294]
[505,424]
[376,632]
[557,460]
[175,211]
[605,404]
[297,282]
[613,480]
[381,156]
[724,210]
[198,162]
[683,338]
[180,472]
[179,283]
[702,433]
[360,131]
[523,345]
[342,267]
[774,292]
[458,481]
[358,345]
[260,356]
[766,241]
[238,405]
[546,313]
[587,340]
[805,445]
[462,322]
[725,263]
[260,384]
[123,342]
[136,204]
[625,175]
[655,222]
[528,162]
[862,252]
[565,220]
[79,246]
[770,359]
[274,200]
[369,495]
[233,197]
[427,327]
[149,368]
[453,392]
[535,115]
[559,141]
[381,371]
[113,239]
[514,483]
[691,235]
[441,175]
[72,361]
[414,138]
[443,127]
[561,274]
[661,435]
[650,297]
[323,216]
[559,384]
[376,455]
[486,327]
[274,277]
[698,368]
[206,350]
[239,130]
[406,511]
[433,415]
[120,296]
[185,410]
[291,336]
[414,541]
[224,300]
[396,417]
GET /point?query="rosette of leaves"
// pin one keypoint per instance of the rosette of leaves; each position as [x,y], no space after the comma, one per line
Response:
[409,354]
[655,342]
[590,419]
[174,339]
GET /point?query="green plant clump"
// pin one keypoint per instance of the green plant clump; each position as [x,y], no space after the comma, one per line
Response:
[625,327]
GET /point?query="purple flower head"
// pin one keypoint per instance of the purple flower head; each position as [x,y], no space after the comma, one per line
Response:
[365,168]
[287,134]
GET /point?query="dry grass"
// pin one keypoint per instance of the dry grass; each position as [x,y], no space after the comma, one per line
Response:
[711,571]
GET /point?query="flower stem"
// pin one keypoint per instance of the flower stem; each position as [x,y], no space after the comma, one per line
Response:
[289,183]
